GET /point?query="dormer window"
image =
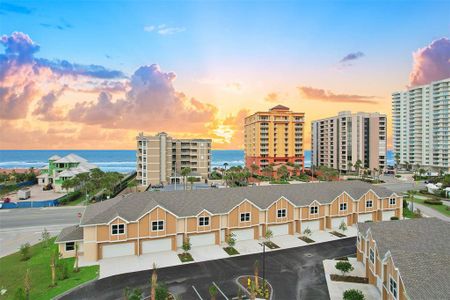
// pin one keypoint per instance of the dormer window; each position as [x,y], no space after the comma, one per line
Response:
[245,217]
[203,221]
[343,206]
[314,210]
[369,203]
[117,229]
[281,213]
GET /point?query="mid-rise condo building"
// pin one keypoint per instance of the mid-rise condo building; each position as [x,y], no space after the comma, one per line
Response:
[340,141]
[274,137]
[161,158]
[420,118]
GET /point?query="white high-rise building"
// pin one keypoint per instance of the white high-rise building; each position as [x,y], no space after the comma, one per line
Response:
[421,125]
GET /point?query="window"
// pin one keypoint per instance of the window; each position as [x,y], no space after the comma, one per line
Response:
[245,217]
[203,221]
[281,213]
[117,229]
[343,206]
[70,246]
[369,203]
[157,225]
[314,210]
[392,201]
[393,287]
[372,256]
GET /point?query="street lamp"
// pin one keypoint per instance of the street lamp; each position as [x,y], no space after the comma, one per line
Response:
[264,264]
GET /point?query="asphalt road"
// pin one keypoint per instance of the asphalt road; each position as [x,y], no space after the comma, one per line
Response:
[22,225]
[295,273]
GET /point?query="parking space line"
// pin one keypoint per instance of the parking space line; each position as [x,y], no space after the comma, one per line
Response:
[220,290]
[195,290]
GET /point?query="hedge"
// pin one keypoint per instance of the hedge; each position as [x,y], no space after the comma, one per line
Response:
[433,202]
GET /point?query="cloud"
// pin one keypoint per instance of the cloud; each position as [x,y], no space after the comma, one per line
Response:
[328,96]
[272,97]
[46,109]
[164,29]
[61,25]
[13,8]
[351,57]
[152,103]
[431,63]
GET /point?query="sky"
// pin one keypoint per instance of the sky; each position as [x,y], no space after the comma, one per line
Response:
[93,74]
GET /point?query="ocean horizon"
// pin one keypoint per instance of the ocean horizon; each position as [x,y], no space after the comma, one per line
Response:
[119,160]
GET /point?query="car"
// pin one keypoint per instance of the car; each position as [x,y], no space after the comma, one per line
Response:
[214,185]
[158,186]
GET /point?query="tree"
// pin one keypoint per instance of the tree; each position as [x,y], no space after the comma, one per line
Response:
[132,184]
[268,171]
[349,166]
[256,273]
[343,226]
[269,234]
[397,160]
[358,165]
[154,283]
[76,269]
[213,291]
[27,283]
[25,251]
[69,184]
[411,194]
[254,167]
[45,237]
[283,173]
[353,294]
[186,245]
[297,168]
[344,267]
[133,294]
[231,240]
[53,260]
[307,231]
[185,172]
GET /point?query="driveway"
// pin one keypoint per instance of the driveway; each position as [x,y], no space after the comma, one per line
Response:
[295,273]
[208,253]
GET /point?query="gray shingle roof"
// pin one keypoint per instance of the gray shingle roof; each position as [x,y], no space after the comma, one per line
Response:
[70,234]
[220,201]
[420,248]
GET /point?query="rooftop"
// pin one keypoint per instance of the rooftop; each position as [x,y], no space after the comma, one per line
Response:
[70,234]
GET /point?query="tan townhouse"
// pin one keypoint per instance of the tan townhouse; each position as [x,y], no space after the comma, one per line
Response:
[150,222]
[407,259]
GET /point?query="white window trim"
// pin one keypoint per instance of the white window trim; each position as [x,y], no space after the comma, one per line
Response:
[340,205]
[204,218]
[65,247]
[118,233]
[396,287]
[281,210]
[370,256]
[371,204]
[157,225]
[313,213]
[249,216]
[395,201]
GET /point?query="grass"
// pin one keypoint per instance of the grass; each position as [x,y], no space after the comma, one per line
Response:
[409,214]
[230,251]
[185,257]
[13,269]
[306,239]
[442,208]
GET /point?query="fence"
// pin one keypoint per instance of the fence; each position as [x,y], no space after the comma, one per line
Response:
[20,184]
[29,204]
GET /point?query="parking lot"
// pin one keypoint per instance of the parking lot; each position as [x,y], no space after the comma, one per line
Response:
[294,273]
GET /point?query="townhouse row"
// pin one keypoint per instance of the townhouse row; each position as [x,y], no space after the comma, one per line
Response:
[150,222]
[406,259]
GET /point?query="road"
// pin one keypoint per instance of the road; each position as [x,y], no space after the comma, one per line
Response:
[19,226]
[295,273]
[400,186]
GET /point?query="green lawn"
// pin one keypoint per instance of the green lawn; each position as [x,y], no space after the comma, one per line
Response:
[442,208]
[409,214]
[12,273]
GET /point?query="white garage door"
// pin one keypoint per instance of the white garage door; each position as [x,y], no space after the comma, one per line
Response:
[243,234]
[365,217]
[202,239]
[312,225]
[388,214]
[336,222]
[158,245]
[279,229]
[116,250]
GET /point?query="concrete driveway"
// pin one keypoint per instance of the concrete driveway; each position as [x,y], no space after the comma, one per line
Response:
[295,273]
[208,253]
[288,241]
[248,246]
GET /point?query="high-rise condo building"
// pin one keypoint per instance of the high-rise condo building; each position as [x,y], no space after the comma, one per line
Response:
[161,158]
[274,137]
[421,125]
[339,141]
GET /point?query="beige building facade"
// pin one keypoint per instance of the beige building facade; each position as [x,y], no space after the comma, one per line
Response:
[341,140]
[161,158]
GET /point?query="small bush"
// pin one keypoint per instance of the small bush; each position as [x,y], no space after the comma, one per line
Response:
[307,231]
[433,202]
[20,294]
[133,294]
[162,292]
[394,218]
[25,251]
[353,294]
[344,267]
[398,176]
[62,271]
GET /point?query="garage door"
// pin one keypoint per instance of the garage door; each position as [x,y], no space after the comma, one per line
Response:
[243,234]
[312,225]
[279,229]
[336,222]
[158,245]
[116,250]
[386,216]
[202,239]
[365,217]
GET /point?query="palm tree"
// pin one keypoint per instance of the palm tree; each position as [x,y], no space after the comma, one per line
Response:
[411,194]
[349,166]
[256,273]
[254,168]
[397,160]
[154,283]
[76,269]
[268,170]
[185,172]
[297,169]
[191,180]
[283,172]
[358,165]
[213,291]
[245,174]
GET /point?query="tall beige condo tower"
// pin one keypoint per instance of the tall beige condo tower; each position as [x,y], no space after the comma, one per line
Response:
[161,158]
[339,141]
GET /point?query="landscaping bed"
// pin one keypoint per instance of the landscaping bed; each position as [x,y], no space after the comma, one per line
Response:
[338,234]
[271,245]
[306,239]
[230,251]
[342,258]
[185,257]
[354,279]
[260,292]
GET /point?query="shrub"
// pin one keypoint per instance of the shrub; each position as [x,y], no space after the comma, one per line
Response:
[344,267]
[162,292]
[231,240]
[433,202]
[307,231]
[25,251]
[398,176]
[353,294]
[186,245]
[45,237]
[63,271]
[20,294]
[70,197]
[394,218]
[133,294]
[269,234]
[343,226]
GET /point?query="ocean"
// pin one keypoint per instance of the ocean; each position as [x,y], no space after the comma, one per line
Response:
[118,160]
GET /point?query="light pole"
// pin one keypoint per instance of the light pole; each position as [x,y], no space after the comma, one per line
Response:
[264,264]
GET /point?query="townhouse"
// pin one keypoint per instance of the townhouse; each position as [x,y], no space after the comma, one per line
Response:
[408,259]
[149,222]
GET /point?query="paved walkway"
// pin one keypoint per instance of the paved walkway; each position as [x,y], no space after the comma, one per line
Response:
[337,288]
[429,212]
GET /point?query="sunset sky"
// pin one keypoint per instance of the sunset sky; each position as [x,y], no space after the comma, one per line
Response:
[92,74]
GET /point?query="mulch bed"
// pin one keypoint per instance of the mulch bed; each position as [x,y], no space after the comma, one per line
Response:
[185,257]
[260,293]
[271,245]
[354,279]
[230,251]
[338,234]
[306,239]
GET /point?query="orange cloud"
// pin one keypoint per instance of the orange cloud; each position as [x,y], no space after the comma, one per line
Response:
[328,96]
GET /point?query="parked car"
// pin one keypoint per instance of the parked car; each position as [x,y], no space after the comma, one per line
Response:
[214,185]
[158,186]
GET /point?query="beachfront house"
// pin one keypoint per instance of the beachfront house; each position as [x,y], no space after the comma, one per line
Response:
[60,169]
